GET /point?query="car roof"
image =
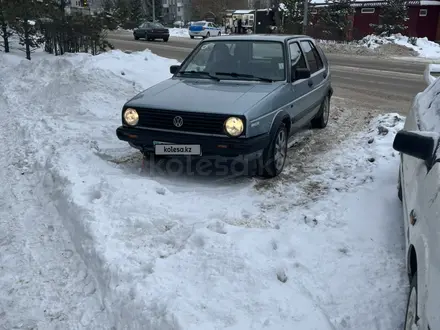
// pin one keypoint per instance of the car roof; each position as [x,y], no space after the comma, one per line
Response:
[260,37]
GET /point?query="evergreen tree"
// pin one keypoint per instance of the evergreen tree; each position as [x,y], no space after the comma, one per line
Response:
[136,11]
[25,12]
[5,31]
[294,15]
[122,12]
[333,18]
[393,18]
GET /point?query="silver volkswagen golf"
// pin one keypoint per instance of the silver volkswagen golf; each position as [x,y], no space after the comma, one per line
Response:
[234,96]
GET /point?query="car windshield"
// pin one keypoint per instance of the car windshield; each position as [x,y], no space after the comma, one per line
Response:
[237,59]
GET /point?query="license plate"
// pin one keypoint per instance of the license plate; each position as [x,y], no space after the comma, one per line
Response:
[178,149]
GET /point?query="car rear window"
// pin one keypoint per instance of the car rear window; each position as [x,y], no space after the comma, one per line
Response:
[199,23]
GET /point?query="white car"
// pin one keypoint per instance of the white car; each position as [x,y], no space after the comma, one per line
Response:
[419,190]
[204,29]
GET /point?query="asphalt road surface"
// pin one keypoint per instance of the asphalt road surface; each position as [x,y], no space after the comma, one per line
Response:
[385,85]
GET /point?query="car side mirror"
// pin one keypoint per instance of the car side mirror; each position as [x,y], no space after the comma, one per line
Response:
[174,69]
[300,73]
[420,145]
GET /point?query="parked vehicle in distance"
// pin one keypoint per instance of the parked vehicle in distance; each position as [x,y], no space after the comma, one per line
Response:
[234,96]
[418,189]
[204,29]
[151,31]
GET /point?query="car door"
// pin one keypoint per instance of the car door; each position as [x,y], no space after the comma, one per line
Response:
[300,88]
[318,75]
[428,234]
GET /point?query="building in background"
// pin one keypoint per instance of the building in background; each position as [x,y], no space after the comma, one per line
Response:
[424,19]
[259,4]
[176,11]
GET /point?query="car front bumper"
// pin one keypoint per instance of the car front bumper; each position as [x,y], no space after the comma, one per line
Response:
[143,139]
[154,35]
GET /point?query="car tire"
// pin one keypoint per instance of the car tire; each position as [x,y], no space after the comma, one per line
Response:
[208,35]
[165,39]
[192,37]
[321,119]
[411,317]
[219,34]
[136,38]
[275,154]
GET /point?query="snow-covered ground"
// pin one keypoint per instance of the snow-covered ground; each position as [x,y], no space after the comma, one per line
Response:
[89,241]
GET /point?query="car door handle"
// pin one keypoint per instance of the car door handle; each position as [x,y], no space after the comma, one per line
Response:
[310,83]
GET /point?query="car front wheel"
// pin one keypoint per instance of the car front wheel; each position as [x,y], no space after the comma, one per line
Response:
[274,156]
[165,39]
[411,317]
[321,120]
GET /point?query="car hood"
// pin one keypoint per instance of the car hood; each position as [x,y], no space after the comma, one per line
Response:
[203,95]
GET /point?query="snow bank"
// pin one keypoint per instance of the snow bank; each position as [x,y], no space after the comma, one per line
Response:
[422,46]
[179,252]
[432,72]
[179,32]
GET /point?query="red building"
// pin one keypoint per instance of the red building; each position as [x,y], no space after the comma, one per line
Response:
[424,18]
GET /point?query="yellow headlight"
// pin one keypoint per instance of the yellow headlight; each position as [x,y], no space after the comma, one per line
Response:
[131,116]
[234,126]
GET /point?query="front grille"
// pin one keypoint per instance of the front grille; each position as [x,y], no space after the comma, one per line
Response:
[196,122]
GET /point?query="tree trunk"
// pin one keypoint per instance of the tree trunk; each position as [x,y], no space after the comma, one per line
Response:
[5,37]
[26,39]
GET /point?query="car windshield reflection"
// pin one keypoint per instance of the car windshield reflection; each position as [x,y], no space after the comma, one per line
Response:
[240,60]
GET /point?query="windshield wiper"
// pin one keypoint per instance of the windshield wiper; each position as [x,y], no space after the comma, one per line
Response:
[242,75]
[202,73]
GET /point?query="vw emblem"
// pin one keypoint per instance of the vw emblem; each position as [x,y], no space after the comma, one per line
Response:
[178,121]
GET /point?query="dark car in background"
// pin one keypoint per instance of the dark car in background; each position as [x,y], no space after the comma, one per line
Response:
[151,31]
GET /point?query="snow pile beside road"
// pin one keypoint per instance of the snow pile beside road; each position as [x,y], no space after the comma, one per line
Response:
[195,253]
[432,72]
[422,46]
[360,49]
[179,32]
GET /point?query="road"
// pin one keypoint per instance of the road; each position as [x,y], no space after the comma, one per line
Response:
[368,82]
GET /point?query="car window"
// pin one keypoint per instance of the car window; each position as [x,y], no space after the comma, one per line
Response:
[242,58]
[199,23]
[315,63]
[157,25]
[318,58]
[266,50]
[297,59]
[199,60]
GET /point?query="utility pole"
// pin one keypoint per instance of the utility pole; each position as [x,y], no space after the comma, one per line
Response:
[154,9]
[306,16]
